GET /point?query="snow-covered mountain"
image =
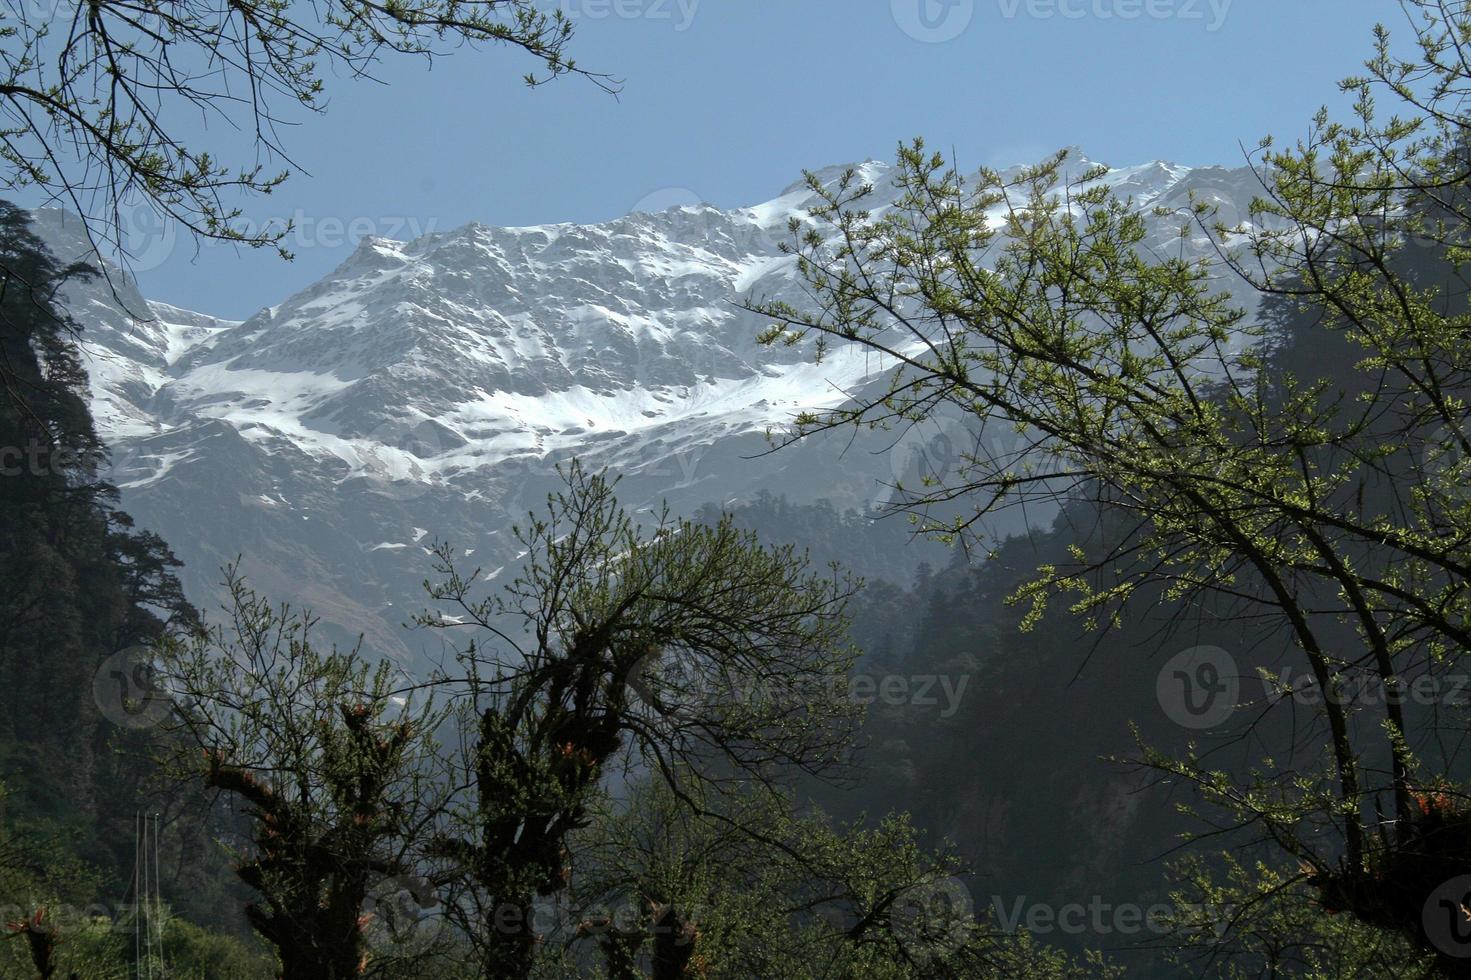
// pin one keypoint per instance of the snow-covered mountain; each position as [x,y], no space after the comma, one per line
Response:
[427,389]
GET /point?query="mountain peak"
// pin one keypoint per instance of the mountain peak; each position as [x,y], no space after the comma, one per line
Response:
[437,383]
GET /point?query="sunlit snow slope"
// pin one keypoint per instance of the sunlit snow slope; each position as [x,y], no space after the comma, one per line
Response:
[427,389]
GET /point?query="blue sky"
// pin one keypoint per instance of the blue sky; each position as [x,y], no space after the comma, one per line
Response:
[728,100]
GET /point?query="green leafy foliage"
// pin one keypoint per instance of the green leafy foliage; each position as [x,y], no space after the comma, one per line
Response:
[89,112]
[78,584]
[1336,514]
[770,890]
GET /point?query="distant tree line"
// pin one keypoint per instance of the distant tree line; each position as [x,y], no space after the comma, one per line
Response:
[465,824]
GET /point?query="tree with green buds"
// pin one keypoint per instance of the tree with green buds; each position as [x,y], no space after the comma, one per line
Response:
[1333,508]
[334,764]
[682,649]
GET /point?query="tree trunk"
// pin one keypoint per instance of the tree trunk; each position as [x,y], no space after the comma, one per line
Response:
[510,941]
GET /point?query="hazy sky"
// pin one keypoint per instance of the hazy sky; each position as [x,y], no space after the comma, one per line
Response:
[728,100]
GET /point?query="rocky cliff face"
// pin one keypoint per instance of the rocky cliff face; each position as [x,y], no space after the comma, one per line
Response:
[428,389]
